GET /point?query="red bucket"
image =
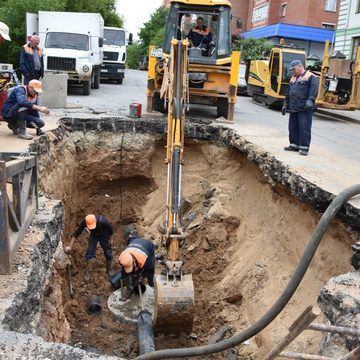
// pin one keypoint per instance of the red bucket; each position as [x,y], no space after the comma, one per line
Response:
[135,110]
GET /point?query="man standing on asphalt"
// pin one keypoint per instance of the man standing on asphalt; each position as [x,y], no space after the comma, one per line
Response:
[31,60]
[300,102]
[100,231]
[4,33]
[20,110]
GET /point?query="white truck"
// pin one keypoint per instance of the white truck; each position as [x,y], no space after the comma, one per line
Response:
[72,43]
[113,67]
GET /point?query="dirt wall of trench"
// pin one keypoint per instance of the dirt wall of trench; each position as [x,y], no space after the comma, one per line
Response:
[244,235]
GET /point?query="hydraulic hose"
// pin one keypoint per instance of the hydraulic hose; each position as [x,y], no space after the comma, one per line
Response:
[281,302]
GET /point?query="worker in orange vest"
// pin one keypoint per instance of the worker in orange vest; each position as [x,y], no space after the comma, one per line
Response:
[31,60]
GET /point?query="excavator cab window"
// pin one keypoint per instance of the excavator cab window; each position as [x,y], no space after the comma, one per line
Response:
[275,71]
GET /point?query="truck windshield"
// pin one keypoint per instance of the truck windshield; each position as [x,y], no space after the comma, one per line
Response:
[114,37]
[67,41]
[287,59]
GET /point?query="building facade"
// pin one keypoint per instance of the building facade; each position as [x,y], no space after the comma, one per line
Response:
[313,13]
[348,29]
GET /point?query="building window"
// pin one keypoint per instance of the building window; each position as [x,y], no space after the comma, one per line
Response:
[283,9]
[329,26]
[355,45]
[330,5]
[260,13]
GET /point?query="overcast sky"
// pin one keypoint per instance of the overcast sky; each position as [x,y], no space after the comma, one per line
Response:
[136,13]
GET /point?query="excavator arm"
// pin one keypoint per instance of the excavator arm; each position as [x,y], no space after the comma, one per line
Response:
[174,291]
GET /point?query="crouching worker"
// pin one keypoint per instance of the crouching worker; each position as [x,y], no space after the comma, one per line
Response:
[20,110]
[137,261]
[100,231]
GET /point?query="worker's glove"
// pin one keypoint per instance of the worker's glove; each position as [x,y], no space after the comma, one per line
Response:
[309,105]
[283,110]
[67,250]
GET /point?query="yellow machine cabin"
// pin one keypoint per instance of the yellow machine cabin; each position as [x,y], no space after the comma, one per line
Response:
[213,66]
[268,79]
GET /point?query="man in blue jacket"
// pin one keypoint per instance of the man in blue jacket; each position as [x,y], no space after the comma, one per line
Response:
[20,110]
[300,102]
[31,60]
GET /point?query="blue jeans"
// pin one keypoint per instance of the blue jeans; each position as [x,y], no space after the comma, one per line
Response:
[91,250]
[300,129]
[29,117]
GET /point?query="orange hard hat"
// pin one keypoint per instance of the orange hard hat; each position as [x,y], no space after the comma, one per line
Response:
[126,261]
[36,85]
[90,221]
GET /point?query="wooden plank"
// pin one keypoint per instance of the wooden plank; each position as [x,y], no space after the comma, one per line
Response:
[4,234]
[13,221]
[16,189]
[26,186]
[294,355]
[300,324]
[353,355]
[17,166]
[335,329]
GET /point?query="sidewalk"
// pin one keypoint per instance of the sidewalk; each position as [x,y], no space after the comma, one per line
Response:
[352,116]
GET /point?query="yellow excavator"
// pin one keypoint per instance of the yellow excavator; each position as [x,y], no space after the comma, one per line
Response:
[213,66]
[268,80]
[339,82]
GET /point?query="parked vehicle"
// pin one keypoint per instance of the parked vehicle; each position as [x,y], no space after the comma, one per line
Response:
[72,43]
[113,67]
[242,84]
[144,62]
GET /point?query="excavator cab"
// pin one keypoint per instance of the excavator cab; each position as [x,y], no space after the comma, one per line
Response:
[213,66]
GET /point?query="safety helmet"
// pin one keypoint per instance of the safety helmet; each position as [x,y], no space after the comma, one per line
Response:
[126,261]
[90,221]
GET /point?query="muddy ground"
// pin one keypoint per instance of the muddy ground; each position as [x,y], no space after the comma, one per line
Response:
[244,239]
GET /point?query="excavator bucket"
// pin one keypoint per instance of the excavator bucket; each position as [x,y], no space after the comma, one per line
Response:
[174,305]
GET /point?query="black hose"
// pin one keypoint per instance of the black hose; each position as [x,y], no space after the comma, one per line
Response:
[284,298]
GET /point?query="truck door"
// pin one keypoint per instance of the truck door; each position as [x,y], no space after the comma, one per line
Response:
[275,71]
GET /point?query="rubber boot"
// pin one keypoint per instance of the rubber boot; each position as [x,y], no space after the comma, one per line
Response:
[88,270]
[13,127]
[40,132]
[22,134]
[109,268]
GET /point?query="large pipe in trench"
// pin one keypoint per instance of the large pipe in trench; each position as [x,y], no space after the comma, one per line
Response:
[145,333]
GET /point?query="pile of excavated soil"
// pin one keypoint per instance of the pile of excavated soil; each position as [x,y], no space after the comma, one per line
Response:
[244,238]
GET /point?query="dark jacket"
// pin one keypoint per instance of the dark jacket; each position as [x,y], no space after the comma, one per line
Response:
[19,96]
[27,60]
[103,230]
[200,36]
[301,89]
[148,248]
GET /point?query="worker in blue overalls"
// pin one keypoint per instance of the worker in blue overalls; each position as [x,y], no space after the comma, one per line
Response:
[300,102]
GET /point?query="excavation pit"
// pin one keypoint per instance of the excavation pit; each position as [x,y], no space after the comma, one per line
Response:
[245,233]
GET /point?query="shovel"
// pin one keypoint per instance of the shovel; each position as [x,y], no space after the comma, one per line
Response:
[71,289]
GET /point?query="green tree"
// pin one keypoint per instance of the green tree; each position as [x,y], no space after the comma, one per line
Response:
[152,33]
[133,54]
[12,12]
[106,8]
[251,48]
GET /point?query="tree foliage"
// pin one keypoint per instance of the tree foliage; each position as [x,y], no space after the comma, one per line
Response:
[251,48]
[152,33]
[12,12]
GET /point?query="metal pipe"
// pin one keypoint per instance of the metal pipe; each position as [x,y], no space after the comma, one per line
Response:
[167,196]
[93,305]
[314,242]
[145,333]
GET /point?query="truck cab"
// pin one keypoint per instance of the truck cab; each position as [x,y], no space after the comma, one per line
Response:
[113,67]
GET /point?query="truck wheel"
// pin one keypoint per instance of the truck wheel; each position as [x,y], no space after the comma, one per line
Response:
[158,103]
[97,79]
[119,81]
[86,88]
[92,81]
[222,107]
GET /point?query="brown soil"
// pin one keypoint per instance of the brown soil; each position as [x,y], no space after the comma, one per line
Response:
[244,238]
